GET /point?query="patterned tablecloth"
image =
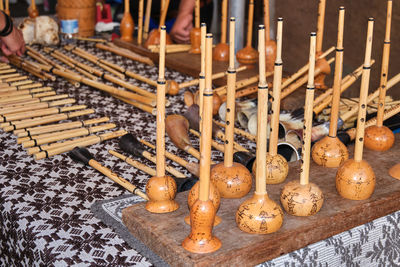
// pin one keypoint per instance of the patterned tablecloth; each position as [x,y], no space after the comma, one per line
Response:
[45,216]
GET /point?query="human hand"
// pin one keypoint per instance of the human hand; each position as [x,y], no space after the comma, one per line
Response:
[12,44]
[180,32]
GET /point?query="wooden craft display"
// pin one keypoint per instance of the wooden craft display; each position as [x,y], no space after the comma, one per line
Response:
[379,137]
[259,214]
[355,179]
[276,165]
[195,33]
[202,212]
[127,26]
[154,35]
[232,179]
[321,63]
[221,50]
[248,55]
[330,151]
[302,198]
[270,45]
[161,189]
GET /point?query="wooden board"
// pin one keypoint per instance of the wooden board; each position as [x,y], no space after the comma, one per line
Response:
[163,233]
[184,62]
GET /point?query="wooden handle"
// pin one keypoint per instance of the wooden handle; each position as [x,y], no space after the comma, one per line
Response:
[224,19]
[362,108]
[320,24]
[164,13]
[140,22]
[266,20]
[262,113]
[337,81]
[197,14]
[118,179]
[308,114]
[161,106]
[134,163]
[276,93]
[250,23]
[385,66]
[127,7]
[147,19]
[206,134]
[230,101]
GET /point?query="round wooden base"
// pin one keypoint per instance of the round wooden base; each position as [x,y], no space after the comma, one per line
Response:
[231,182]
[277,169]
[301,200]
[161,192]
[329,152]
[378,138]
[355,180]
[247,56]
[259,215]
[221,52]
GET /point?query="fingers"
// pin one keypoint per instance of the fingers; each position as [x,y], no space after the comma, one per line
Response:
[5,50]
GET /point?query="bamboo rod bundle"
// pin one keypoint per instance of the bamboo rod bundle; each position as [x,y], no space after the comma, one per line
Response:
[26,87]
[125,53]
[32,100]
[57,127]
[66,134]
[144,107]
[46,119]
[68,146]
[13,79]
[24,92]
[35,106]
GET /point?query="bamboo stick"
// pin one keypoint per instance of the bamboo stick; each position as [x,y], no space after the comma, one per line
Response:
[126,53]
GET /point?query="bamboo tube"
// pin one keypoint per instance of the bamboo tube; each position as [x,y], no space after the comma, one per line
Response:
[138,105]
[6,76]
[248,55]
[58,127]
[9,118]
[270,45]
[330,151]
[12,99]
[68,146]
[1,5]
[161,189]
[39,140]
[35,106]
[214,76]
[126,53]
[13,79]
[46,119]
[82,155]
[134,163]
[202,70]
[250,213]
[7,71]
[355,178]
[24,92]
[320,24]
[240,84]
[140,23]
[147,20]
[32,101]
[168,168]
[21,87]
[96,40]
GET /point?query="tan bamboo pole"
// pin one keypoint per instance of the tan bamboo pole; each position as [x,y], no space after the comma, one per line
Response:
[270,45]
[68,146]
[147,20]
[161,189]
[202,74]
[9,118]
[320,24]
[35,106]
[248,55]
[168,168]
[6,76]
[250,213]
[83,156]
[57,127]
[46,119]
[24,92]
[140,23]
[7,71]
[12,99]
[88,39]
[13,79]
[138,165]
[126,53]
[240,84]
[202,212]
[238,131]
[127,26]
[144,107]
[39,140]
[355,179]
[21,87]
[32,100]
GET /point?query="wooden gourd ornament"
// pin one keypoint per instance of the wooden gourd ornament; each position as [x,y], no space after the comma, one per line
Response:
[221,50]
[32,10]
[248,55]
[232,179]
[277,166]
[259,214]
[321,63]
[127,26]
[270,45]
[379,137]
[202,212]
[161,189]
[330,151]
[355,179]
[154,35]
[195,33]
[302,198]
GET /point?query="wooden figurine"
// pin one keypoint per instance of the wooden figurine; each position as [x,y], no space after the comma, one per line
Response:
[127,26]
[221,50]
[302,198]
[355,178]
[248,55]
[379,137]
[259,214]
[202,212]
[232,179]
[330,151]
[161,189]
